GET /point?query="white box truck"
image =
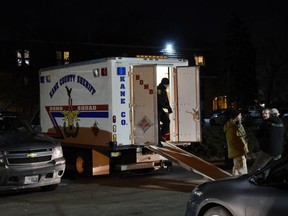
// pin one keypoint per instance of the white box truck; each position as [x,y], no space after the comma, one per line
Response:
[105,111]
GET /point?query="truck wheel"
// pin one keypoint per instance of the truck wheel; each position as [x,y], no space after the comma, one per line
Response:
[70,170]
[83,164]
[79,164]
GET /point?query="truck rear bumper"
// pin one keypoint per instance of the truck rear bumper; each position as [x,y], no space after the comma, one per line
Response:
[21,178]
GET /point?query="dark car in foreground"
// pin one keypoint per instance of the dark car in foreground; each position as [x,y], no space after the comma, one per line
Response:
[27,159]
[264,192]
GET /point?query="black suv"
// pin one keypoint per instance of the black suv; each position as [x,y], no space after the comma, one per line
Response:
[27,159]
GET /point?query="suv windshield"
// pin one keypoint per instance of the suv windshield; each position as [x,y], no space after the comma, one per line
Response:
[13,123]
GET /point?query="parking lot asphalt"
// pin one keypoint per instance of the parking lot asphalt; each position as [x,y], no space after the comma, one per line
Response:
[162,192]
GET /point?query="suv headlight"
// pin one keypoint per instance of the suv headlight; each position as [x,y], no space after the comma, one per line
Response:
[58,153]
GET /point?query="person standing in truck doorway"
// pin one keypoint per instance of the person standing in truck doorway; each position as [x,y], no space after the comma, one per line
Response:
[163,116]
[237,143]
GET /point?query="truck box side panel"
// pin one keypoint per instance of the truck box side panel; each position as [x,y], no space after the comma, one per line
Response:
[75,103]
[120,101]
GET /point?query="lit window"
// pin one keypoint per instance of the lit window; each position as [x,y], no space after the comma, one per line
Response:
[23,57]
[62,57]
[199,60]
[66,57]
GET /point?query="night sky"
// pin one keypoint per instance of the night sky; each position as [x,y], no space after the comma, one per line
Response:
[188,24]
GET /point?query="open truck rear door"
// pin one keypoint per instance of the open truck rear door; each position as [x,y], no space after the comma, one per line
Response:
[186,124]
[143,104]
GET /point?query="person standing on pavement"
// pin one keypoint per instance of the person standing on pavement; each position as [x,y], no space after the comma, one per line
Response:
[163,103]
[271,139]
[275,112]
[237,143]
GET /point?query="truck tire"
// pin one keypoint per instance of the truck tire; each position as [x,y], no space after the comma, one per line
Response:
[70,172]
[83,163]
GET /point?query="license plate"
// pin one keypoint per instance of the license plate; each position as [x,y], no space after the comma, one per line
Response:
[31,179]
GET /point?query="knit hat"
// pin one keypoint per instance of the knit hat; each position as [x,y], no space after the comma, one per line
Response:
[233,113]
[165,81]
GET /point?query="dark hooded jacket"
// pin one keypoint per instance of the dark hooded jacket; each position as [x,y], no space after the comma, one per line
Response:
[271,136]
[163,101]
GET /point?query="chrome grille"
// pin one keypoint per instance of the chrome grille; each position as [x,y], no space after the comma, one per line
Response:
[29,160]
[29,156]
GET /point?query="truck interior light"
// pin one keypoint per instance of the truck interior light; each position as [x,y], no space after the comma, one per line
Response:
[104,71]
[96,72]
[114,137]
[48,78]
[121,71]
[115,154]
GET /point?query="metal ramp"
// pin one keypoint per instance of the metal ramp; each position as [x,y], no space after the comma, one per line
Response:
[189,161]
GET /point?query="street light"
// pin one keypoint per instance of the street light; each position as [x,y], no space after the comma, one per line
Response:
[168,50]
